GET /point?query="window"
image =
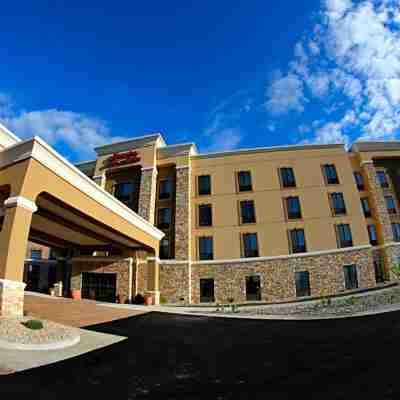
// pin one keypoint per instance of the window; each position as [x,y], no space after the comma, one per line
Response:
[250,245]
[344,235]
[207,290]
[379,270]
[204,184]
[396,232]
[164,218]
[205,215]
[365,207]
[373,238]
[244,181]
[164,248]
[359,180]
[165,189]
[302,284]
[123,191]
[331,177]
[206,248]
[297,241]
[253,288]
[293,209]
[287,177]
[390,205]
[337,204]
[247,212]
[382,179]
[36,254]
[350,277]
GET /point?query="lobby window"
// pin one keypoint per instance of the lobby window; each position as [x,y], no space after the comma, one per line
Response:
[350,277]
[344,235]
[247,212]
[373,238]
[204,185]
[337,203]
[36,254]
[165,189]
[164,218]
[390,205]
[253,288]
[331,176]
[207,290]
[302,284]
[206,248]
[250,245]
[293,209]
[123,191]
[244,181]
[396,232]
[379,268]
[382,179]
[205,215]
[365,207]
[359,180]
[297,241]
[287,177]
[164,248]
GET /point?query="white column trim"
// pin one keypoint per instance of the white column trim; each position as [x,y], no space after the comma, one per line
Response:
[19,201]
[12,284]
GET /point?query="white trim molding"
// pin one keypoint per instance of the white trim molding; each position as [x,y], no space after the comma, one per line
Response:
[19,201]
[8,284]
[149,169]
[366,162]
[181,166]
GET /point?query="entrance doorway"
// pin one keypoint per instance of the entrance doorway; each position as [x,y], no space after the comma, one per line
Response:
[99,286]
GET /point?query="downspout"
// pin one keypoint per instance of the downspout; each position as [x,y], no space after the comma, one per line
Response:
[130,279]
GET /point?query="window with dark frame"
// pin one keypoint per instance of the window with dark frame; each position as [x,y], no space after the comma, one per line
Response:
[293,208]
[297,241]
[123,191]
[379,268]
[206,251]
[250,245]
[365,207]
[287,177]
[164,248]
[244,181]
[205,215]
[331,176]
[36,254]
[253,288]
[165,189]
[382,179]
[204,185]
[302,279]
[359,180]
[390,205]
[396,232]
[247,212]
[164,218]
[344,236]
[337,203]
[207,290]
[350,277]
[373,237]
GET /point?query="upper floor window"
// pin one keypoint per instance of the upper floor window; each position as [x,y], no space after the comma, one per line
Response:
[337,204]
[287,177]
[204,184]
[373,238]
[250,245]
[382,179]
[359,180]
[36,254]
[206,251]
[297,241]
[344,236]
[247,212]
[244,181]
[331,176]
[396,232]
[165,190]
[123,191]
[293,209]
[205,215]
[365,206]
[390,205]
[165,248]
[164,218]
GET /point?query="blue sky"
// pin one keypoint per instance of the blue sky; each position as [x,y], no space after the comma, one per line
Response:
[224,74]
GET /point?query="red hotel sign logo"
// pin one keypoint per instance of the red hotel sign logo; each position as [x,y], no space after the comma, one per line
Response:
[117,159]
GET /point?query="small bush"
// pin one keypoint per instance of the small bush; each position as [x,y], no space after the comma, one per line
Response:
[33,324]
[163,300]
[139,299]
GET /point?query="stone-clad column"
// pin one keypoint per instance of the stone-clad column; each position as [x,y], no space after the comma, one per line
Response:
[378,201]
[182,214]
[147,194]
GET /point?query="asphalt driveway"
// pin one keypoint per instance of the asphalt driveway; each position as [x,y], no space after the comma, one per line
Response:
[182,357]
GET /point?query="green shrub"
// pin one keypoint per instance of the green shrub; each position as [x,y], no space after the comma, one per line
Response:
[33,324]
[163,300]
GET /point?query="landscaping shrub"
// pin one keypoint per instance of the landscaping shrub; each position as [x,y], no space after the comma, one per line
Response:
[33,324]
[163,300]
[139,299]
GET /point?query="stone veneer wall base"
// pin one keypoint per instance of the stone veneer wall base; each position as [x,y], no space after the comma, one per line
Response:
[11,298]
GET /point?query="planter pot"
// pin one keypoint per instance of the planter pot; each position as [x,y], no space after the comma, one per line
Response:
[76,294]
[148,301]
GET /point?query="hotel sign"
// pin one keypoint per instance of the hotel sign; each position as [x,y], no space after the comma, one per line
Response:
[123,158]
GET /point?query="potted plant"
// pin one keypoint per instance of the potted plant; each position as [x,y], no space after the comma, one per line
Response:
[76,294]
[148,300]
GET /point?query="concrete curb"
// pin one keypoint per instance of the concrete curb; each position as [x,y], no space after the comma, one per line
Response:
[62,344]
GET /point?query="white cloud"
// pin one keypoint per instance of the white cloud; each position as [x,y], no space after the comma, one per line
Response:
[227,139]
[329,133]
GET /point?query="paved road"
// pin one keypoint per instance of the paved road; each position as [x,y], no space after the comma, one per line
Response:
[183,357]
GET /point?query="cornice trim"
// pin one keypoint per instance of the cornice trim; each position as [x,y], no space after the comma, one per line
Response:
[19,201]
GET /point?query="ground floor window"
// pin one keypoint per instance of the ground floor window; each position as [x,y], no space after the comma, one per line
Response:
[379,270]
[350,277]
[99,286]
[302,283]
[253,288]
[207,290]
